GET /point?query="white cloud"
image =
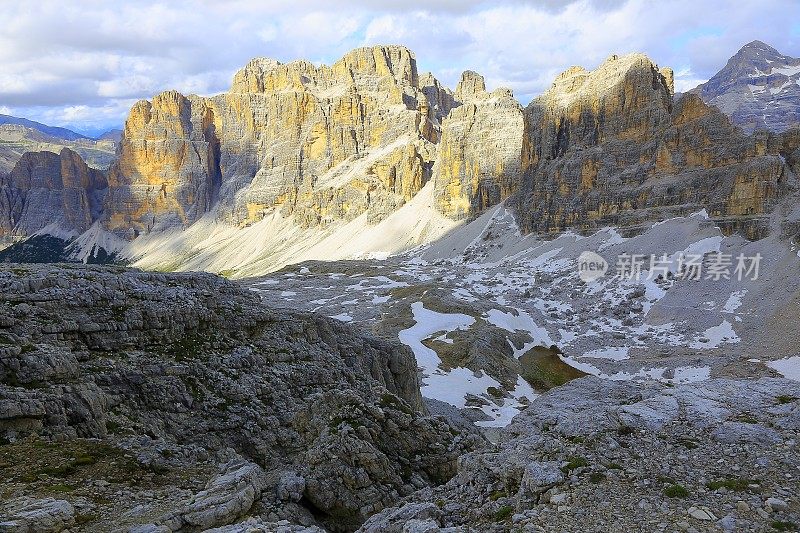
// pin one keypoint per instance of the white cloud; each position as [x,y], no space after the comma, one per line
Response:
[87,60]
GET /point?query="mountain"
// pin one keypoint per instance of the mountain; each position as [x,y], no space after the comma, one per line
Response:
[111,135]
[47,189]
[758,88]
[19,135]
[52,131]
[366,156]
[612,147]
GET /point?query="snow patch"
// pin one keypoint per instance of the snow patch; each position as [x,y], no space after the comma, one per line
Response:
[788,367]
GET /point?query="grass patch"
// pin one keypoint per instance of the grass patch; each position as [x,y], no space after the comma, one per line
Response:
[496,495]
[676,491]
[544,370]
[504,513]
[747,418]
[597,477]
[779,525]
[732,484]
[573,463]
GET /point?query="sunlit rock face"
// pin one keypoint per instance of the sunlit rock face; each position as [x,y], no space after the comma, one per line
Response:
[319,143]
[612,147]
[313,147]
[478,162]
[45,188]
[168,168]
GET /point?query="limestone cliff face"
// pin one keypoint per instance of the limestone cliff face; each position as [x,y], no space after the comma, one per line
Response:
[321,145]
[45,188]
[168,168]
[318,143]
[479,156]
[611,147]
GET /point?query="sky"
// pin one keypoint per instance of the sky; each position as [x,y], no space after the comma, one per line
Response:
[82,64]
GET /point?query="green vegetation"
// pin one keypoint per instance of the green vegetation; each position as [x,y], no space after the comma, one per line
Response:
[573,463]
[543,369]
[676,491]
[504,513]
[732,484]
[784,526]
[389,400]
[597,477]
[747,418]
[785,398]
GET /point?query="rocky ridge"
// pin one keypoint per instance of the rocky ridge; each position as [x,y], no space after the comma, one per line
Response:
[152,381]
[47,189]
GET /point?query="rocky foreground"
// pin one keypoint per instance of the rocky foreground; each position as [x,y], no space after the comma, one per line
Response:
[181,401]
[598,455]
[148,402]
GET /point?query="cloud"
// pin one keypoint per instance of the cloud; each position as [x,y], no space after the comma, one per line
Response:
[85,62]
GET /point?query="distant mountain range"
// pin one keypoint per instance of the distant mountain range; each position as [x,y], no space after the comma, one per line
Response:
[60,133]
[20,135]
[759,88]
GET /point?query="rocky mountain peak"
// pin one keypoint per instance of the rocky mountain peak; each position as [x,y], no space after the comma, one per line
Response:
[635,70]
[470,85]
[759,87]
[250,78]
[391,60]
[46,188]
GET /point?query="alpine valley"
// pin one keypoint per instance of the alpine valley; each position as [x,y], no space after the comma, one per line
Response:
[347,298]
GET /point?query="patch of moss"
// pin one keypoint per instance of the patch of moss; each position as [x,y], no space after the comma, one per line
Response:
[504,513]
[676,491]
[544,370]
[785,398]
[574,462]
[597,477]
[779,525]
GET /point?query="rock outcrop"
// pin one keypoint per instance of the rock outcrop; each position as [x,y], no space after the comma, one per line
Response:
[599,455]
[167,174]
[46,188]
[196,363]
[479,155]
[759,88]
[47,515]
[610,147]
